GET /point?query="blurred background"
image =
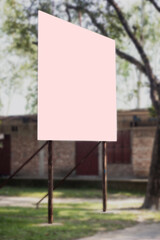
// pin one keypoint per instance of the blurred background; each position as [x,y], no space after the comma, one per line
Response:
[133,168]
[18,55]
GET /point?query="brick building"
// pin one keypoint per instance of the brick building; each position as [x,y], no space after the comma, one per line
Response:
[128,158]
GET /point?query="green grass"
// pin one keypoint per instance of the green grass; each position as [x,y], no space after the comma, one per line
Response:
[65,193]
[78,220]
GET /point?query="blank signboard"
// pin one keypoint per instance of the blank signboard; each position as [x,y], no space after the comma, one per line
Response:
[76,82]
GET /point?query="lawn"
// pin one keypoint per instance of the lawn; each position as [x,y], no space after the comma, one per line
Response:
[65,193]
[77,220]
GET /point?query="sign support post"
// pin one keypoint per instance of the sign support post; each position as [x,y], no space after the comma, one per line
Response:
[104,176]
[50,183]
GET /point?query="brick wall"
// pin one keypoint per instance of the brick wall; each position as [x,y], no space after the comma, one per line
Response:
[120,171]
[24,143]
[142,145]
[142,140]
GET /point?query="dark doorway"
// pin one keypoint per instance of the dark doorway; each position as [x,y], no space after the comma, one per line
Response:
[90,165]
[5,155]
[120,151]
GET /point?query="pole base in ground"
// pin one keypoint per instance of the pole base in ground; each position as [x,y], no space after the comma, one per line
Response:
[104,175]
[49,224]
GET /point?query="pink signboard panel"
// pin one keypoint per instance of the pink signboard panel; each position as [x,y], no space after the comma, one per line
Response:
[76,83]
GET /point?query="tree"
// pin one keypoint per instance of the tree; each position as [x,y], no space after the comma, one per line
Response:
[121,22]
[12,69]
[21,25]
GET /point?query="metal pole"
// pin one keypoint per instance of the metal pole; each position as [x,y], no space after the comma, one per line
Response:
[50,171]
[50,183]
[104,180]
[80,18]
[69,173]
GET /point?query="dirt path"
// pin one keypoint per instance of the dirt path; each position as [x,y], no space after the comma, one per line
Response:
[31,201]
[138,232]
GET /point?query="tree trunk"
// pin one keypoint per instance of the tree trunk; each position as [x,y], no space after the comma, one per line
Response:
[153,187]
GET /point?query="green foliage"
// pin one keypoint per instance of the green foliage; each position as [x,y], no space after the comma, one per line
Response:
[21,25]
[152,112]
[145,21]
[114,28]
[32,98]
[123,68]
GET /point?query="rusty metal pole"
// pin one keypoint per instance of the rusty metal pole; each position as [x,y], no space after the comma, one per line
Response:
[69,173]
[80,18]
[50,183]
[104,175]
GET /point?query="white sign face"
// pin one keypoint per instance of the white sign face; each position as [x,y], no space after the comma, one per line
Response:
[76,83]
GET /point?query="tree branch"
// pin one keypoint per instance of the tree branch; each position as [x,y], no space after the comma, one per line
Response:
[103,31]
[154,82]
[133,38]
[68,14]
[155,4]
[145,68]
[132,60]
[92,17]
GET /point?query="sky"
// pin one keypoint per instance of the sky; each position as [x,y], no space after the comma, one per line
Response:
[16,103]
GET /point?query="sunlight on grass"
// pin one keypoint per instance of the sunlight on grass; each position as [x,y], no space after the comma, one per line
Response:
[63,193]
[150,216]
[78,221]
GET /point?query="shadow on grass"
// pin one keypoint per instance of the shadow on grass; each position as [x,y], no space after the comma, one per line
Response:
[126,209]
[66,192]
[23,223]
